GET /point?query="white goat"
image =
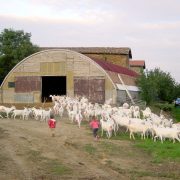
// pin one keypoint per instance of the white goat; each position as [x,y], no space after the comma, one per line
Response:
[61,111]
[38,113]
[71,115]
[17,112]
[167,122]
[46,114]
[26,113]
[125,105]
[176,126]
[106,126]
[7,110]
[164,133]
[156,120]
[138,128]
[146,113]
[108,101]
[78,118]
[121,121]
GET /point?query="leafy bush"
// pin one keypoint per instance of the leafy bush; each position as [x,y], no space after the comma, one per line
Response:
[156,85]
[164,106]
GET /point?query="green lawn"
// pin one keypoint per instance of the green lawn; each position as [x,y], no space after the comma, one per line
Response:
[166,151]
[176,113]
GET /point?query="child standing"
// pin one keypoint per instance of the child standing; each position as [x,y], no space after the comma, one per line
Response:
[95,127]
[52,124]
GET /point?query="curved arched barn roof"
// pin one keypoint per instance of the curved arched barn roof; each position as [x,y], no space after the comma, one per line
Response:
[77,74]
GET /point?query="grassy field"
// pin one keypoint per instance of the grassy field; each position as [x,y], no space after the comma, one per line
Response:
[176,113]
[160,152]
[166,151]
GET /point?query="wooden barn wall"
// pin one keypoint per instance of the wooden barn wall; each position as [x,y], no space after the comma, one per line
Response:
[53,63]
[122,60]
[8,96]
[91,87]
[24,98]
[1,100]
[27,84]
[70,83]
[53,68]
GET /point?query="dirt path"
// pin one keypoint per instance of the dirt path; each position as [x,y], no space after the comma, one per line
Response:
[27,151]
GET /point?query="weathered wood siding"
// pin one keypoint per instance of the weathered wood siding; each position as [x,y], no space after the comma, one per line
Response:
[93,89]
[1,100]
[25,84]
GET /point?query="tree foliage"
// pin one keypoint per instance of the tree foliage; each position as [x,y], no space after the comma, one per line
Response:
[156,85]
[14,47]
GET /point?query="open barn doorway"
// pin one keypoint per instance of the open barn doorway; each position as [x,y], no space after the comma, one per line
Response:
[53,85]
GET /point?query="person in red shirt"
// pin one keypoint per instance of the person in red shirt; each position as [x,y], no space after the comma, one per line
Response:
[52,124]
[94,124]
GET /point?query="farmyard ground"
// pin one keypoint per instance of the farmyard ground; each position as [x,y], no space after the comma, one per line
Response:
[27,151]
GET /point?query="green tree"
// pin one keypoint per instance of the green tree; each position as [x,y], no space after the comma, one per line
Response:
[156,85]
[177,90]
[14,47]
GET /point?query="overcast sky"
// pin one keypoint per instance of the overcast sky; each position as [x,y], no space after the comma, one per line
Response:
[151,28]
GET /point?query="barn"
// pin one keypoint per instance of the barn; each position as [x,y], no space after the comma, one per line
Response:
[137,65]
[97,73]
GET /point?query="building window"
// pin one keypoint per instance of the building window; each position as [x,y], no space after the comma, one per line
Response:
[11,84]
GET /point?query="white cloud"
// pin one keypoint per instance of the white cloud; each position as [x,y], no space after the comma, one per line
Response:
[162,25]
[150,28]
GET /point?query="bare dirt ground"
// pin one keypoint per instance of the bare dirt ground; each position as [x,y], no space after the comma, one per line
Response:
[28,152]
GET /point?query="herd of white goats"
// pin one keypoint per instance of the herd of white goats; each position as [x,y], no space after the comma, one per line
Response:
[111,118]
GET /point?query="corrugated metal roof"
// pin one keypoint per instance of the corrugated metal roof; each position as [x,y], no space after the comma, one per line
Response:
[138,63]
[115,68]
[96,50]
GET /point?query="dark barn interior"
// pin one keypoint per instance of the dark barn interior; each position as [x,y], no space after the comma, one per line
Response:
[53,85]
